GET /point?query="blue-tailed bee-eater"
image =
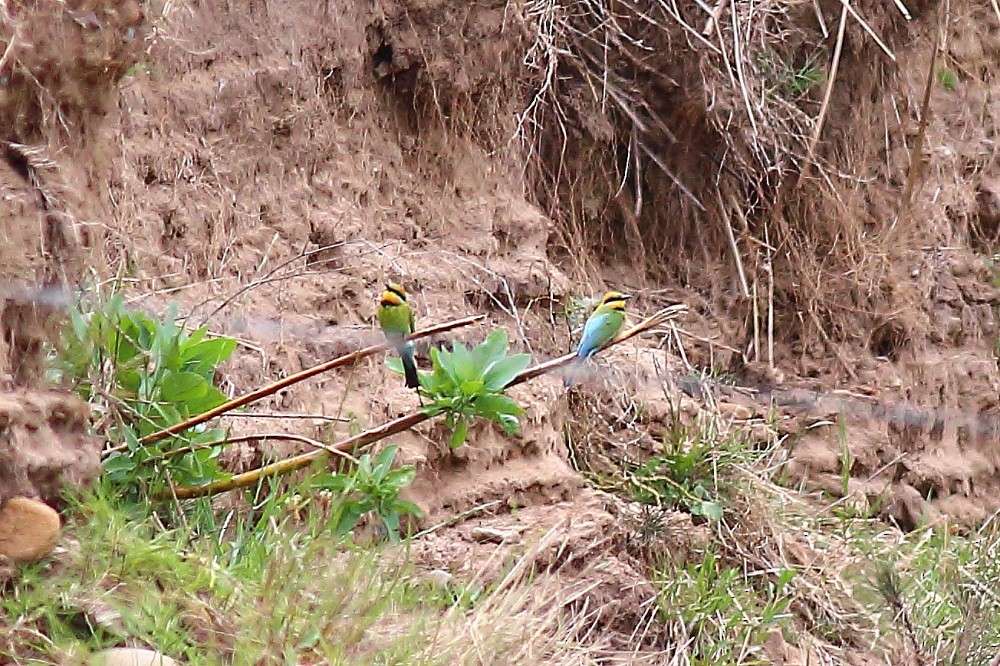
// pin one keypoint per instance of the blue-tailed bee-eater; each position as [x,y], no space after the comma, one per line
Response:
[601,328]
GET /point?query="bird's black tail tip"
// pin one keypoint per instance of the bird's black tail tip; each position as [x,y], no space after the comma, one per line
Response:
[412,378]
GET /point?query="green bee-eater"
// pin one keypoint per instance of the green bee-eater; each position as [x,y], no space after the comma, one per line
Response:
[396,319]
[600,329]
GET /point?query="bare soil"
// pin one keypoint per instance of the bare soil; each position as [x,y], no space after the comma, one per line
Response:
[269,165]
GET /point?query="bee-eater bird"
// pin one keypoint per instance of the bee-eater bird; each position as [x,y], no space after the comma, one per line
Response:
[396,319]
[601,328]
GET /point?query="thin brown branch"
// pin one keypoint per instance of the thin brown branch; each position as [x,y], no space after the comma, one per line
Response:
[302,460]
[396,426]
[253,438]
[825,106]
[918,143]
[293,379]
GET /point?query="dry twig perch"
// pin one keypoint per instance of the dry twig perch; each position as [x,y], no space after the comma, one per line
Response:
[292,379]
[396,426]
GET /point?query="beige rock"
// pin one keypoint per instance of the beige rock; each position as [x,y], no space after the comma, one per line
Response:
[735,412]
[130,657]
[29,529]
[490,535]
[906,508]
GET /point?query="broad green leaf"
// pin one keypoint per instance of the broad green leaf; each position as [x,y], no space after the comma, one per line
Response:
[493,405]
[210,436]
[784,578]
[120,345]
[129,380]
[403,507]
[391,521]
[211,399]
[460,433]
[444,370]
[201,467]
[131,439]
[463,364]
[711,510]
[195,337]
[440,381]
[118,466]
[503,372]
[78,324]
[395,364]
[383,463]
[365,466]
[338,483]
[351,514]
[209,353]
[400,478]
[180,387]
[492,349]
[472,387]
[509,423]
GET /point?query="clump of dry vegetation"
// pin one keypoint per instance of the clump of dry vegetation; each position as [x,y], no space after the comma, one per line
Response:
[777,144]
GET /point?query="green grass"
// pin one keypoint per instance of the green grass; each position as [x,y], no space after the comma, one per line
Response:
[772,559]
[722,612]
[265,589]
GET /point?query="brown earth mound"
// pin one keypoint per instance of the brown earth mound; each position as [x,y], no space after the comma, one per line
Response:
[59,71]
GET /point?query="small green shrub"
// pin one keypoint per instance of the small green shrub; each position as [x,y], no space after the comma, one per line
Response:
[468,383]
[947,78]
[786,80]
[141,375]
[370,486]
[680,479]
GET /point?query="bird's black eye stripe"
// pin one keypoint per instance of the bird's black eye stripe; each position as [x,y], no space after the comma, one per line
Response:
[396,290]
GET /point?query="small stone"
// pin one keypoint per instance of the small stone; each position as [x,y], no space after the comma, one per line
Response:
[490,535]
[129,657]
[29,529]
[906,508]
[735,412]
[439,577]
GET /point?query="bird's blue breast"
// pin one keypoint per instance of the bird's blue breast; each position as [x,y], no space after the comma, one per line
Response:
[592,337]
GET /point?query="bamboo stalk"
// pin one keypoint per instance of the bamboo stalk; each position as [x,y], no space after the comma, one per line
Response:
[253,396]
[395,426]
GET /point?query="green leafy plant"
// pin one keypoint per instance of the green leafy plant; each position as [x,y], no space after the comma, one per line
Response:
[373,485]
[141,375]
[468,383]
[694,472]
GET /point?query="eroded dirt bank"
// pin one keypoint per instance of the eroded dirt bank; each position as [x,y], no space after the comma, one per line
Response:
[269,164]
